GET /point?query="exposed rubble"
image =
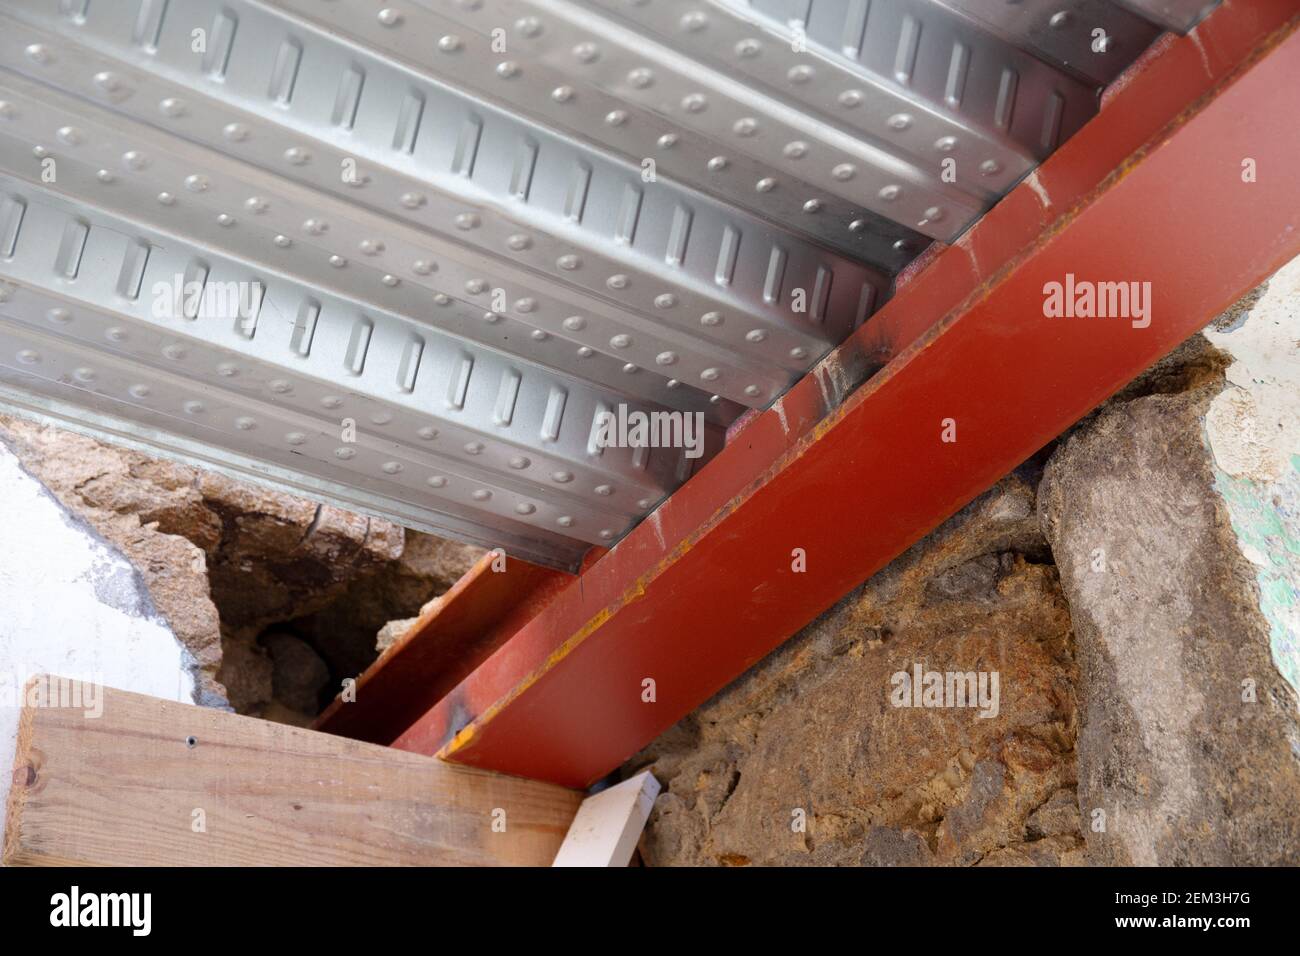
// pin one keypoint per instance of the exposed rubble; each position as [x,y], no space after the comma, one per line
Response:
[805,760]
[225,561]
[1189,735]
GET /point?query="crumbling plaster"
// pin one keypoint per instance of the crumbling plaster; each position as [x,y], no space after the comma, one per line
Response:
[71,605]
[1253,430]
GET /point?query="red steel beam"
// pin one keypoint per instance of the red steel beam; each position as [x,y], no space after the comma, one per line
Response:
[459,631]
[1151,191]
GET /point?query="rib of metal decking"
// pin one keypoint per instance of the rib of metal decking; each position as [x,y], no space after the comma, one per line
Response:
[403,256]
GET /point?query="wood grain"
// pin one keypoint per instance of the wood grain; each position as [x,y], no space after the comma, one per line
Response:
[122,789]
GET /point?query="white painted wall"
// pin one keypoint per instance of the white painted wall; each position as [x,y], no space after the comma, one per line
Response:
[1253,429]
[73,606]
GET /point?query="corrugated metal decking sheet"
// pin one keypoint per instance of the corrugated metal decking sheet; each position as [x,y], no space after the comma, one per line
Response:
[477,225]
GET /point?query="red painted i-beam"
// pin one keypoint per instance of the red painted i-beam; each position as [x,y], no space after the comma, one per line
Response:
[1185,181]
[459,631]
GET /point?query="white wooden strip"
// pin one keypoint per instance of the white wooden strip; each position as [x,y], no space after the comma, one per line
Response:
[608,824]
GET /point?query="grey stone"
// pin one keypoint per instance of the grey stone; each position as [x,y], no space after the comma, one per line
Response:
[1168,633]
[299,675]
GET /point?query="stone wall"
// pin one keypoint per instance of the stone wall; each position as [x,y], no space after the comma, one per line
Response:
[1138,598]
[811,732]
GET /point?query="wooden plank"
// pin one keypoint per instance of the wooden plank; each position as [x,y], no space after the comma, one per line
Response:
[609,824]
[459,631]
[151,782]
